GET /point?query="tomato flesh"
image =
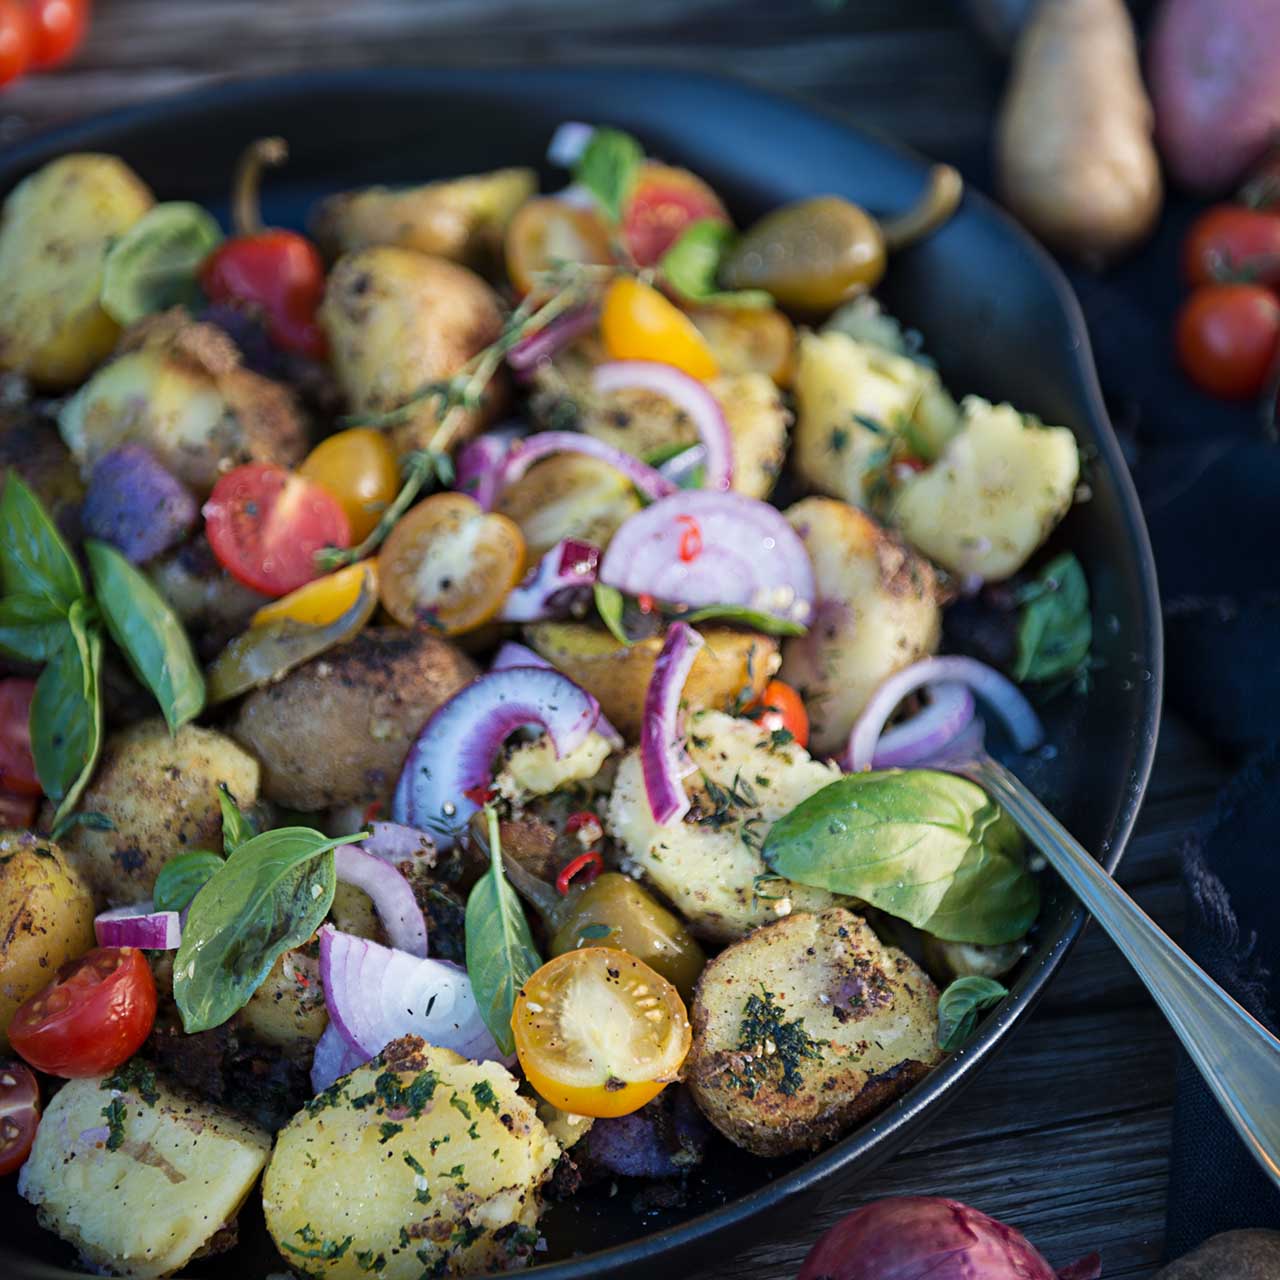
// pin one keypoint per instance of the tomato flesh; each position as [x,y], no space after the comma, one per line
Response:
[59,29]
[664,201]
[265,525]
[92,1017]
[600,1033]
[1228,336]
[781,707]
[1230,241]
[638,323]
[19,1114]
[17,765]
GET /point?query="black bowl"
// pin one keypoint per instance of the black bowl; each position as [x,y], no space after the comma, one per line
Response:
[996,313]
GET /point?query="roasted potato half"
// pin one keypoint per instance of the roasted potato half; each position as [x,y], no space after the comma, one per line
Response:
[806,1027]
[46,919]
[55,230]
[462,219]
[288,1009]
[877,611]
[30,446]
[732,667]
[335,731]
[160,791]
[441,1164]
[398,319]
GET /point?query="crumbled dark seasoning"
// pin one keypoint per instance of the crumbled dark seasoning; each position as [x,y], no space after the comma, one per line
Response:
[434,1267]
[136,1076]
[776,1047]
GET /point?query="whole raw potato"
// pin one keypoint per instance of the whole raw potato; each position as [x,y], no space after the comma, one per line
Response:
[1232,1255]
[1074,154]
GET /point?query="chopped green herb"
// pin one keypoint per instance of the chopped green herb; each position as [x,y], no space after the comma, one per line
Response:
[388,1130]
[485,1097]
[776,1047]
[115,1112]
[328,1250]
[460,1104]
[136,1076]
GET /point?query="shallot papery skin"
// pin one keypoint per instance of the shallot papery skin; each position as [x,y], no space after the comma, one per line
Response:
[929,1238]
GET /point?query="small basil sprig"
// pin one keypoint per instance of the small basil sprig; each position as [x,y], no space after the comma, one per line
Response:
[927,847]
[237,828]
[692,263]
[501,956]
[608,168]
[1055,629]
[609,605]
[270,895]
[959,1007]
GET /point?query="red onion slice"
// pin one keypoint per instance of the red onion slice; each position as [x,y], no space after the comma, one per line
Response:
[936,725]
[375,994]
[454,752]
[393,899]
[139,925]
[662,755]
[997,691]
[745,554]
[687,394]
[543,343]
[512,654]
[550,586]
[333,1059]
[478,472]
[395,844]
[531,449]
[568,143]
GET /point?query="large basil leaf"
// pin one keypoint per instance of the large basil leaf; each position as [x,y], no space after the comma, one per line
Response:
[501,956]
[182,877]
[236,828]
[927,847]
[608,168]
[66,712]
[31,626]
[1055,628]
[691,264]
[34,559]
[959,1007]
[269,896]
[149,632]
[752,618]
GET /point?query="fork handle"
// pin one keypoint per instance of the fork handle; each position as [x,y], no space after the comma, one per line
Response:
[1238,1057]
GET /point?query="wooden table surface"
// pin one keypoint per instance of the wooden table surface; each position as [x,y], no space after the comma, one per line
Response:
[1067,1134]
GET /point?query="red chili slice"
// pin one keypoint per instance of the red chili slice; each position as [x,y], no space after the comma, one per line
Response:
[576,866]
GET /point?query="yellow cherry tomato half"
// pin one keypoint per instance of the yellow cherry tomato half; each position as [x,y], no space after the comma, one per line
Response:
[323,601]
[638,323]
[359,468]
[449,564]
[544,232]
[599,1033]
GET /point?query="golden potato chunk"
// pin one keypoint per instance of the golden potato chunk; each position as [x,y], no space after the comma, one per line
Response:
[805,1028]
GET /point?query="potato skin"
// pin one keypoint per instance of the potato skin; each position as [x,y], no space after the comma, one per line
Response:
[55,229]
[336,730]
[445,1184]
[617,675]
[877,612]
[161,794]
[869,1011]
[46,919]
[288,1009]
[397,319]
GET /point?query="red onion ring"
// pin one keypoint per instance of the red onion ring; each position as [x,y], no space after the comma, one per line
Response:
[375,994]
[997,691]
[936,725]
[333,1058]
[454,752]
[139,925]
[749,556]
[554,336]
[549,586]
[478,471]
[395,844]
[662,756]
[393,899]
[531,449]
[687,394]
[513,654]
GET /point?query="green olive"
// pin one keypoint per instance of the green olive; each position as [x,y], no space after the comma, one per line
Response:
[636,923]
[811,255]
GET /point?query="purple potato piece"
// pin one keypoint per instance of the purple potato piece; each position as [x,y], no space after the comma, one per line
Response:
[661,1140]
[135,504]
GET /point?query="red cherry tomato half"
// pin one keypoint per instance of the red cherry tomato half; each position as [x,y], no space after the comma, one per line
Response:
[92,1017]
[17,766]
[1229,241]
[664,201]
[1227,337]
[59,29]
[17,813]
[266,524]
[19,1114]
[781,707]
[17,39]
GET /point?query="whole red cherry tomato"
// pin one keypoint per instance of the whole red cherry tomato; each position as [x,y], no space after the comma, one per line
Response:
[1227,337]
[19,1114]
[1231,242]
[279,272]
[664,201]
[17,813]
[781,707]
[60,27]
[92,1017]
[17,39]
[17,766]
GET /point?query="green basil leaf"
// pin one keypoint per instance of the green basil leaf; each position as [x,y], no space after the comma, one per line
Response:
[927,847]
[94,821]
[147,629]
[269,896]
[31,627]
[959,1007]
[608,168]
[34,558]
[1055,629]
[691,264]
[66,712]
[236,828]
[154,265]
[181,878]
[752,618]
[501,956]
[609,605]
